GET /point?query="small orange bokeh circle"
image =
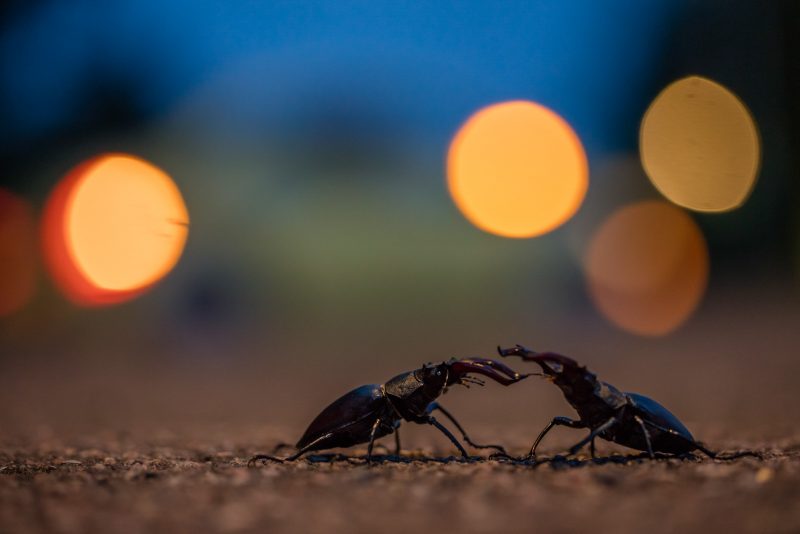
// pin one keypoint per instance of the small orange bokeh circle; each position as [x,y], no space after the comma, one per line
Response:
[647,267]
[17,253]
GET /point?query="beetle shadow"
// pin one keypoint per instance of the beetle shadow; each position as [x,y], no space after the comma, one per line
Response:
[557,462]
[560,462]
[380,459]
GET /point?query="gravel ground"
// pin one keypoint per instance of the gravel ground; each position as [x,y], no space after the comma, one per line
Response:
[133,487]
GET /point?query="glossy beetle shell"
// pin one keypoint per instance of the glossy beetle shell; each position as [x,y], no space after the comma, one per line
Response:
[348,419]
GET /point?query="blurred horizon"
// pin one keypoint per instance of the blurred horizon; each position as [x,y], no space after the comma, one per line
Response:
[309,141]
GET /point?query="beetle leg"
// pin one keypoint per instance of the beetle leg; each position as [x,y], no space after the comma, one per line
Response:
[592,449]
[251,462]
[436,406]
[432,421]
[372,433]
[646,436]
[704,450]
[697,444]
[397,449]
[602,428]
[557,421]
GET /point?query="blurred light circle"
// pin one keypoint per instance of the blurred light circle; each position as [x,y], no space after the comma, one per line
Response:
[647,267]
[17,253]
[699,145]
[517,169]
[113,227]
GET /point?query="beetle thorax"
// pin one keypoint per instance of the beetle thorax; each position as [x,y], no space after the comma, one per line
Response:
[411,393]
[594,400]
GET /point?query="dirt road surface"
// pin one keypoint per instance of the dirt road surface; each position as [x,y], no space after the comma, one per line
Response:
[123,486]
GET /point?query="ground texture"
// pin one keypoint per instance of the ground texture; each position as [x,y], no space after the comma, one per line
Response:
[147,441]
[123,486]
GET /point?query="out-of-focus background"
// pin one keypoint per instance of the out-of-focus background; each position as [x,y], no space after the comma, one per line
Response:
[310,141]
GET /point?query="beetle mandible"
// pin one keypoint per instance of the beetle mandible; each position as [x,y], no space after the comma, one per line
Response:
[375,410]
[629,419]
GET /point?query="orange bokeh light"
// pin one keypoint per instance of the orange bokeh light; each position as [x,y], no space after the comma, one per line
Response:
[17,253]
[517,169]
[113,227]
[647,267]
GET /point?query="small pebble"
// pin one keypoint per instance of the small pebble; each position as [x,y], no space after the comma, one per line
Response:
[764,475]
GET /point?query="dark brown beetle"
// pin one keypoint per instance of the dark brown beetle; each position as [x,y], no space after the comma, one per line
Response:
[629,419]
[376,410]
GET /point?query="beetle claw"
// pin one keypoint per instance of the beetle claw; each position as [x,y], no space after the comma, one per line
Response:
[252,461]
[516,350]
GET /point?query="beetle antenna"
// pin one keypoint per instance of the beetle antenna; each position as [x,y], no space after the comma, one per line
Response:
[472,380]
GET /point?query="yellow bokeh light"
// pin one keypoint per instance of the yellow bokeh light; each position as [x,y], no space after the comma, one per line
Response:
[517,169]
[699,145]
[647,267]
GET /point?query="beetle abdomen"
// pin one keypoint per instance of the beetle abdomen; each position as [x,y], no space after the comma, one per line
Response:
[345,419]
[652,411]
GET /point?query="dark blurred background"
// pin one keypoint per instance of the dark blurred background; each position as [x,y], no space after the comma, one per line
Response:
[309,142]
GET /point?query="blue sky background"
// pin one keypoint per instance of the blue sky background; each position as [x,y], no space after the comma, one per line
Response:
[423,65]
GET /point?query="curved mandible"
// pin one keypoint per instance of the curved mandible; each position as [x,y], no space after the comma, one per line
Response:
[497,371]
[542,358]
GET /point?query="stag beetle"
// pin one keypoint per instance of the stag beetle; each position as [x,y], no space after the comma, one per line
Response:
[629,419]
[375,410]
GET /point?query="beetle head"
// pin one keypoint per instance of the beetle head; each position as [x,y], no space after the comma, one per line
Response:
[421,387]
[434,378]
[563,371]
[413,391]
